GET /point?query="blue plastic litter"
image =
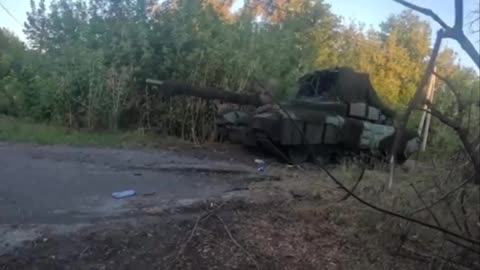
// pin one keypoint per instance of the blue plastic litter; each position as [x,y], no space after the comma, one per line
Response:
[123,194]
[261,165]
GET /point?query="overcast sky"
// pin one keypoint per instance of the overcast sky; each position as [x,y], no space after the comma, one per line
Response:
[369,12]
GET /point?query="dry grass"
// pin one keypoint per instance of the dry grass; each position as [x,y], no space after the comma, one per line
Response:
[415,188]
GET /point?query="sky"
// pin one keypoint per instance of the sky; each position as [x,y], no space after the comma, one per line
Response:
[373,12]
[369,12]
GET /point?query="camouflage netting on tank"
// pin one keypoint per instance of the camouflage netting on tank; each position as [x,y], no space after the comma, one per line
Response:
[342,84]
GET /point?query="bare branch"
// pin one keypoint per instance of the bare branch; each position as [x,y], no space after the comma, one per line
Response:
[415,255]
[437,256]
[470,149]
[425,11]
[454,124]
[437,221]
[462,133]
[359,179]
[464,212]
[466,45]
[445,196]
[235,242]
[455,33]
[201,218]
[448,203]
[475,251]
[417,100]
[458,26]
[474,23]
[397,215]
[189,239]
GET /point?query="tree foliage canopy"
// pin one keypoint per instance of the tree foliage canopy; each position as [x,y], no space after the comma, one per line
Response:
[87,61]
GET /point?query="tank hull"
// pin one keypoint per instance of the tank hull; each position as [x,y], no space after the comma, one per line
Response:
[336,112]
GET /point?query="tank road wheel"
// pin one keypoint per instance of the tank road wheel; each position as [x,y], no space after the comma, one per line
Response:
[322,160]
[221,134]
[323,156]
[297,154]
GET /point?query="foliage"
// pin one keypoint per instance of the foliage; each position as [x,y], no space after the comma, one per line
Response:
[27,131]
[86,62]
[394,57]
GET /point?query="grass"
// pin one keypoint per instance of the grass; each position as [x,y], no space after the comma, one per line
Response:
[25,131]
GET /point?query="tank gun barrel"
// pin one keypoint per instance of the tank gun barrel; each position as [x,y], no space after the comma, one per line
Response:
[176,88]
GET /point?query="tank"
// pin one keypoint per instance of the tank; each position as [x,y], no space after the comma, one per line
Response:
[335,113]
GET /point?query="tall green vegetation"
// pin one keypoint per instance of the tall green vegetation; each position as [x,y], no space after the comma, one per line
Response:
[87,61]
[394,56]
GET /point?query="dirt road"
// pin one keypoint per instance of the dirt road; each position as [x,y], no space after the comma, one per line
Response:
[193,210]
[61,185]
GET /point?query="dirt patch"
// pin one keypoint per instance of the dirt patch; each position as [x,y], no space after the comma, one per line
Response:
[224,151]
[286,217]
[262,236]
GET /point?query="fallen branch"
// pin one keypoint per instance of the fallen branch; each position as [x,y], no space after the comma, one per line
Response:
[235,242]
[415,255]
[449,205]
[359,179]
[445,196]
[201,218]
[437,221]
[437,255]
[473,250]
[388,212]
[470,149]
[189,239]
[464,212]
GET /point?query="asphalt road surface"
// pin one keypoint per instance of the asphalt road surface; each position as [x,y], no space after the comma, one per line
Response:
[68,185]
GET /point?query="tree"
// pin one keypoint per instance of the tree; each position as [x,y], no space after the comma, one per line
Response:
[12,52]
[221,7]
[407,31]
[412,33]
[36,26]
[89,51]
[388,56]
[275,11]
[12,57]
